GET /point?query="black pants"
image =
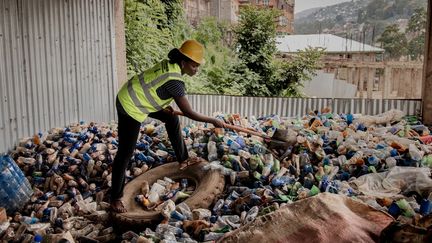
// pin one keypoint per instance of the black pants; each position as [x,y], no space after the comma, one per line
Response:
[128,130]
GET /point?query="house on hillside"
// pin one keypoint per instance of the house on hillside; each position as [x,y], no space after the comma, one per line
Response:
[336,48]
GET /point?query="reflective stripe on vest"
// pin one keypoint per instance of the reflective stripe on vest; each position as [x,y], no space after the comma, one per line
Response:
[155,103]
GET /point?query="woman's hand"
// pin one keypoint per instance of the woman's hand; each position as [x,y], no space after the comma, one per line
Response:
[187,110]
[217,122]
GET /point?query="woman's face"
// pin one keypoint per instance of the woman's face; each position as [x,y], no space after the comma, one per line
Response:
[189,67]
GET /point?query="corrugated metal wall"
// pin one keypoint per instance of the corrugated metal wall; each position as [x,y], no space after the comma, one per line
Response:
[294,107]
[57,65]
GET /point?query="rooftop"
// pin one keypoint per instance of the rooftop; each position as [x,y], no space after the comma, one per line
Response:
[332,44]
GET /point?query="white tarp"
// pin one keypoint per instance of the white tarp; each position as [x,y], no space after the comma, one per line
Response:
[324,85]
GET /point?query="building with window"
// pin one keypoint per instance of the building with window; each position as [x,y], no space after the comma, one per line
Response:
[228,10]
[285,22]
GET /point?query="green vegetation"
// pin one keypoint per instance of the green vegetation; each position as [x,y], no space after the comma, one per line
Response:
[370,21]
[247,67]
[152,29]
[394,42]
[411,42]
[417,30]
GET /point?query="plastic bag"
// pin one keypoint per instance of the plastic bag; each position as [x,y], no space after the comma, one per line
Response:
[396,180]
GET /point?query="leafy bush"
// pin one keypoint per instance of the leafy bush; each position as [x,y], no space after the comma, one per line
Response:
[152,29]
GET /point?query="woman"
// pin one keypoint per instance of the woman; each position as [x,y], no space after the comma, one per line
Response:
[149,94]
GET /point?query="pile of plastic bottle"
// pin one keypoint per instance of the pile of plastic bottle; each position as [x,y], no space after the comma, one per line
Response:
[151,196]
[69,170]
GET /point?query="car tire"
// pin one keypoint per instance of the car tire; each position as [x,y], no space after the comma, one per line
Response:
[209,185]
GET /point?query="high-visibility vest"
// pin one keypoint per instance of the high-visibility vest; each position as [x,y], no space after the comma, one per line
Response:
[138,96]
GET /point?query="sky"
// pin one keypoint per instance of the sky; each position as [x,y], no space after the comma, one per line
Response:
[301,5]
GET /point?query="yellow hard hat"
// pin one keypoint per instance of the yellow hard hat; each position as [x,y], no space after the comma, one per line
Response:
[193,50]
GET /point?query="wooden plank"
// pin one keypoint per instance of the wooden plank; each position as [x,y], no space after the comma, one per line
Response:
[370,82]
[358,78]
[411,83]
[387,82]
[418,83]
[396,81]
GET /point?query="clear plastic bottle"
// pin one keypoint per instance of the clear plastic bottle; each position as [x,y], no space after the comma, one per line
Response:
[185,210]
[252,214]
[230,219]
[212,236]
[415,153]
[391,162]
[212,151]
[155,192]
[218,205]
[29,220]
[244,154]
[258,149]
[233,145]
[268,164]
[162,229]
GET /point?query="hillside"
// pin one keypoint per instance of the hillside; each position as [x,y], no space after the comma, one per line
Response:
[361,20]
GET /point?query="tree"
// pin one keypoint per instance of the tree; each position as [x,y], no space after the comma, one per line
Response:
[394,42]
[416,47]
[214,76]
[417,31]
[300,68]
[417,22]
[152,29]
[258,72]
[209,31]
[255,42]
[375,9]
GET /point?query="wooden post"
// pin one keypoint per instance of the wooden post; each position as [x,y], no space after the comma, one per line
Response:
[387,82]
[427,72]
[370,82]
[411,83]
[402,87]
[381,83]
[408,83]
[397,79]
[418,83]
[357,81]
[361,81]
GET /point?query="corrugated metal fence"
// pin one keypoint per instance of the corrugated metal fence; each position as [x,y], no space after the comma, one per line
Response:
[57,65]
[294,107]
